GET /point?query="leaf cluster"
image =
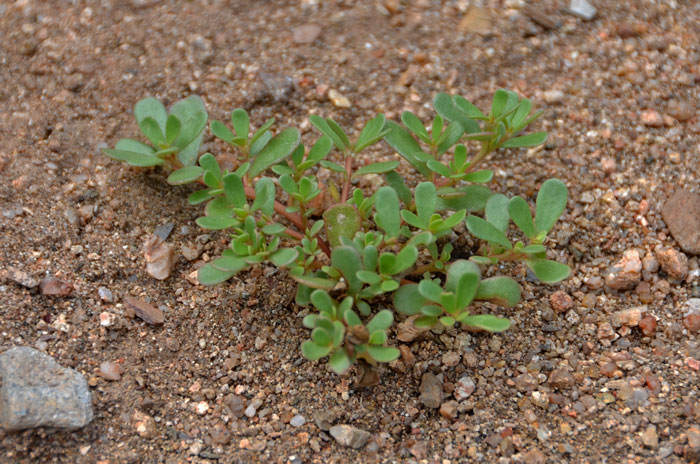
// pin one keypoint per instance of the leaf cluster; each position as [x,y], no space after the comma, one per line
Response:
[349,250]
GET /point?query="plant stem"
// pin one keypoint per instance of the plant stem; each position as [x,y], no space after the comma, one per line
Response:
[346,183]
[291,217]
[479,156]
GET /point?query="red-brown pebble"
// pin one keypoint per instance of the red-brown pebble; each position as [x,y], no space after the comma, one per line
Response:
[608,369]
[561,301]
[648,325]
[692,322]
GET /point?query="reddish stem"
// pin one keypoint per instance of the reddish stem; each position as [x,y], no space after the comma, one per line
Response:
[293,218]
[346,183]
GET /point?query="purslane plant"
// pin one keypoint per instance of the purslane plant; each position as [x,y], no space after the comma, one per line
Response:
[349,250]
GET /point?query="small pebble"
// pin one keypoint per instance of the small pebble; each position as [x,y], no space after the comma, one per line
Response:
[105,294]
[306,34]
[297,421]
[338,99]
[111,370]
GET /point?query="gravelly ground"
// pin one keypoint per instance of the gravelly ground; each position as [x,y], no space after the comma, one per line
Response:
[566,384]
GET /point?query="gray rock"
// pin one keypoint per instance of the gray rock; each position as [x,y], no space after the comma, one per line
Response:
[297,421]
[430,391]
[582,9]
[37,392]
[347,435]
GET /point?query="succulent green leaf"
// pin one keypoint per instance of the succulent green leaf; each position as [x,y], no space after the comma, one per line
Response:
[483,260]
[133,158]
[151,130]
[172,129]
[549,271]
[467,107]
[209,275]
[400,140]
[275,151]
[322,125]
[445,107]
[381,321]
[273,229]
[369,277]
[529,140]
[313,352]
[408,300]
[377,338]
[413,220]
[259,143]
[370,133]
[500,290]
[321,337]
[474,199]
[347,260]
[438,167]
[185,175]
[219,206]
[551,201]
[536,250]
[425,322]
[241,122]
[260,135]
[387,218]
[288,184]
[229,264]
[519,212]
[486,231]
[339,361]
[497,211]
[486,322]
[434,310]
[150,108]
[466,289]
[395,181]
[320,149]
[387,262]
[284,257]
[351,318]
[447,321]
[404,259]
[498,104]
[216,222]
[449,137]
[383,354]
[211,181]
[430,290]
[208,162]
[200,196]
[312,281]
[193,118]
[264,196]
[480,177]
[524,108]
[415,125]
[426,198]
[323,302]
[376,168]
[456,270]
[332,166]
[341,220]
[221,131]
[233,189]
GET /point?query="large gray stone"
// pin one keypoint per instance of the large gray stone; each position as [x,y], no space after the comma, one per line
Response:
[37,392]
